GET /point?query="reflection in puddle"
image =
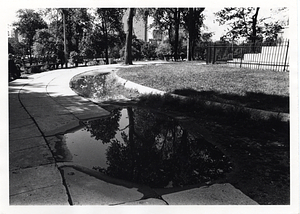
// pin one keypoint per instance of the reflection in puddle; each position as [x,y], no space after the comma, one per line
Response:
[137,145]
[101,87]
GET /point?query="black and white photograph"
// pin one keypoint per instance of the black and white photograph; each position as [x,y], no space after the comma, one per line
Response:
[129,108]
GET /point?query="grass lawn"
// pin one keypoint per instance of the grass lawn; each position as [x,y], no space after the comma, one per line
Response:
[259,89]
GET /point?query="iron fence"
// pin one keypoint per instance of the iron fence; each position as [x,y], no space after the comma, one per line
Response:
[264,56]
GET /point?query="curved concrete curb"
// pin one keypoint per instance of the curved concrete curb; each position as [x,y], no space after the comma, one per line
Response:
[140,88]
[254,112]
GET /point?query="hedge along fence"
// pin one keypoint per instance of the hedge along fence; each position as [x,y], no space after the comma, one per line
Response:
[261,56]
[41,66]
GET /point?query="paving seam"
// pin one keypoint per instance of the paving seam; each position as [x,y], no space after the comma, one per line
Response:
[28,191]
[42,134]
[62,174]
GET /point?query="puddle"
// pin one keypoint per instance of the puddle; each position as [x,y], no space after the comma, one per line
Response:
[138,145]
[101,87]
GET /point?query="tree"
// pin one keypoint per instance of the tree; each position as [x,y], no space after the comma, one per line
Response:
[86,46]
[193,20]
[69,26]
[15,47]
[169,19]
[136,48]
[111,27]
[27,25]
[44,43]
[174,19]
[56,27]
[75,21]
[271,31]
[177,23]
[164,48]
[148,50]
[128,43]
[243,22]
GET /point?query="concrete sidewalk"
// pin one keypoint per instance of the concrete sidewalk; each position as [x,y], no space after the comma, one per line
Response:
[43,106]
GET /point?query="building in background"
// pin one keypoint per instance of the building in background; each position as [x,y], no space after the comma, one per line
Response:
[13,33]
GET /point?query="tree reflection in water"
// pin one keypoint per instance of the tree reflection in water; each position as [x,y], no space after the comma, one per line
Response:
[156,150]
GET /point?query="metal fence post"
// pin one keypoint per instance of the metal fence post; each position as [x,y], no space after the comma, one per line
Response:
[286,55]
[242,56]
[208,53]
[214,54]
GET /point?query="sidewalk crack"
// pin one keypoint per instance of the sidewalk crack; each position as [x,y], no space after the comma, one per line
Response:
[62,172]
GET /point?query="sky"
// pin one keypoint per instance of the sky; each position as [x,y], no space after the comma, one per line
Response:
[212,24]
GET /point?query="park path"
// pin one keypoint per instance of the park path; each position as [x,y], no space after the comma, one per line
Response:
[42,107]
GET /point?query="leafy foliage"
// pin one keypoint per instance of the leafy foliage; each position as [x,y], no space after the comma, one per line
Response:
[110,28]
[29,22]
[44,43]
[163,49]
[241,20]
[27,25]
[244,23]
[16,47]
[193,21]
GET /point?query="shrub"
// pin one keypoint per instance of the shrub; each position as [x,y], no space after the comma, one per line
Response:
[35,69]
[163,49]
[74,58]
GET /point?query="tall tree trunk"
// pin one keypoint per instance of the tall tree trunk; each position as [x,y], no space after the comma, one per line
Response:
[188,53]
[146,14]
[194,16]
[170,32]
[65,38]
[106,40]
[177,22]
[190,36]
[30,51]
[128,48]
[254,31]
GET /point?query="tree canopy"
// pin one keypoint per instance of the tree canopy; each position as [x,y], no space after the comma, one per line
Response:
[244,23]
[100,32]
[27,25]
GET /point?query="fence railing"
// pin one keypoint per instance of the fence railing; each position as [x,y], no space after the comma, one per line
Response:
[274,56]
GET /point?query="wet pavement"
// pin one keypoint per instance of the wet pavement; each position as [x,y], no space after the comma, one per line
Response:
[42,107]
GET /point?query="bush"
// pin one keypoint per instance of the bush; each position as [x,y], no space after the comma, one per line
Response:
[35,69]
[74,58]
[163,49]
